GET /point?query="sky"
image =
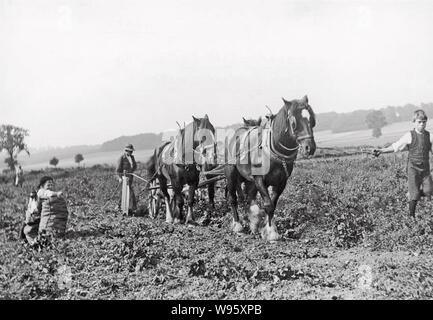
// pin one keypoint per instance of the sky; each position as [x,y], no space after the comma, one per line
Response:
[77,72]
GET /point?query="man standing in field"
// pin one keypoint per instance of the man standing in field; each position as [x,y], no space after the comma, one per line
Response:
[419,144]
[127,164]
[19,176]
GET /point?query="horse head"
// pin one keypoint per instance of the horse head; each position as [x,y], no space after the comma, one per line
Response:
[203,127]
[300,125]
[204,137]
[252,122]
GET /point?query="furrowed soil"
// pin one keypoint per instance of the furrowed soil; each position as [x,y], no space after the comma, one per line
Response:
[343,222]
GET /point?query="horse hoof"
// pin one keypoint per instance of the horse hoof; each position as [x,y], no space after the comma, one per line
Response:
[169,220]
[274,236]
[270,234]
[177,221]
[254,228]
[271,237]
[237,227]
[205,222]
[192,223]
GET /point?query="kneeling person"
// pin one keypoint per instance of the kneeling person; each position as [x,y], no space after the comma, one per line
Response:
[30,229]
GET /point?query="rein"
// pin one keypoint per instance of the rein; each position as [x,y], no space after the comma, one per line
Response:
[297,147]
[288,149]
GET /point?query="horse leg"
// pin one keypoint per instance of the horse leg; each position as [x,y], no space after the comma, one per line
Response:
[269,231]
[157,203]
[211,194]
[159,197]
[240,192]
[168,212]
[178,204]
[255,214]
[276,193]
[232,179]
[190,202]
[153,204]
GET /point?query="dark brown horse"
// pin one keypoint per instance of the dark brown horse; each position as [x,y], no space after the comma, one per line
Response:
[177,163]
[264,157]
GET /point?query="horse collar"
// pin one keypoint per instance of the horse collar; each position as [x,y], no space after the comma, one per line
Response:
[278,155]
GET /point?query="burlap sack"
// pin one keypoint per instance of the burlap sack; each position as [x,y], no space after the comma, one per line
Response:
[54,216]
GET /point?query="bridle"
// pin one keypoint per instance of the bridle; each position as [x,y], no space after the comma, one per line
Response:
[292,152]
[290,120]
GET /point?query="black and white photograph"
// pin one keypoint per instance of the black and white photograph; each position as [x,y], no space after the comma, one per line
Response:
[216,156]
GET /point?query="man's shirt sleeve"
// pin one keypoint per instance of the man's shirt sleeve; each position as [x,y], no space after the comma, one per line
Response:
[403,142]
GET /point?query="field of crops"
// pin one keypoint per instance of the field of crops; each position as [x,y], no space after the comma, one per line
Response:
[345,233]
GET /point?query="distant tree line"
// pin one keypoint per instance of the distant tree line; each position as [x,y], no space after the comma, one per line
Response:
[336,122]
[357,120]
[12,137]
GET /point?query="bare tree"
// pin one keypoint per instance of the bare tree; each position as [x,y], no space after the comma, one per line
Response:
[12,141]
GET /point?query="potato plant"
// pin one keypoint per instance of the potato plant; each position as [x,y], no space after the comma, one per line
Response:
[346,234]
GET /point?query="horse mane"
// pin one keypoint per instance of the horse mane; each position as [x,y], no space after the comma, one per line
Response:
[150,164]
[280,119]
[279,124]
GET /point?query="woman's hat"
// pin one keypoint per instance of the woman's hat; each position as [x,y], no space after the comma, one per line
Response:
[129,147]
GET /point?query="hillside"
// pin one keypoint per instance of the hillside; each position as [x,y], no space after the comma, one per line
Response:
[355,120]
[37,156]
[141,141]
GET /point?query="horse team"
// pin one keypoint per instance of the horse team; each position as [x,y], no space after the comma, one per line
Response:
[257,156]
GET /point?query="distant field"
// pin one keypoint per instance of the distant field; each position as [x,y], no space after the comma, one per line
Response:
[390,134]
[323,139]
[90,159]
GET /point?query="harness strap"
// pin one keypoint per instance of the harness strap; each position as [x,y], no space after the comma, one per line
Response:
[279,156]
[288,149]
